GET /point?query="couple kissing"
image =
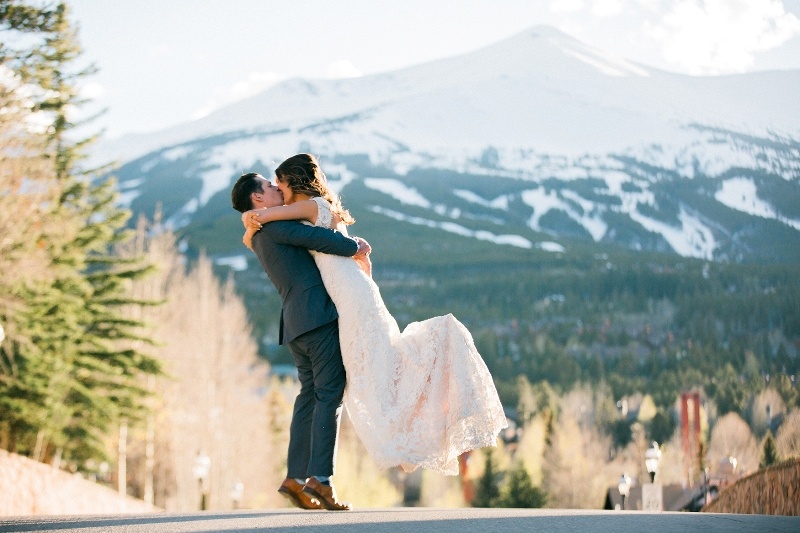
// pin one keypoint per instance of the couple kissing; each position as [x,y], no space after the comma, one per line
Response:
[417,398]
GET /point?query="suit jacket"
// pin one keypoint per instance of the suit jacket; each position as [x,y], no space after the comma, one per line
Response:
[282,248]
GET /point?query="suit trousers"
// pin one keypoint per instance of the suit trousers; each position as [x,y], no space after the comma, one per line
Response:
[318,406]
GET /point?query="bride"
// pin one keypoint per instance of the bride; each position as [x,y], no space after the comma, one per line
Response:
[416,398]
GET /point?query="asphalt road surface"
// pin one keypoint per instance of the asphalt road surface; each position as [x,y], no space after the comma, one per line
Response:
[407,520]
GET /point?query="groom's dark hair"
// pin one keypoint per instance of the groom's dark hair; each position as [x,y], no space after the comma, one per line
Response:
[246,185]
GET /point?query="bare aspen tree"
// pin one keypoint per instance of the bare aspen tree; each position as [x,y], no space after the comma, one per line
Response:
[211,400]
[731,437]
[576,470]
[788,437]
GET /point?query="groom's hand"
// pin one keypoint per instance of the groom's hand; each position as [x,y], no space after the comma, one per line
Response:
[364,249]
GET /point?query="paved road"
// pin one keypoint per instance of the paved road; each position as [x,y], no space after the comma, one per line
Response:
[408,520]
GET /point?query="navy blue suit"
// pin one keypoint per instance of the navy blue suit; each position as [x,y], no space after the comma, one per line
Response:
[309,326]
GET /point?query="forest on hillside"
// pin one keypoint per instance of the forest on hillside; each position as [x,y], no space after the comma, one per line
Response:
[639,322]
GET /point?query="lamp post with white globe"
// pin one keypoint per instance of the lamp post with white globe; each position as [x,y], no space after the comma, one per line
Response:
[202,465]
[651,459]
[624,487]
[652,493]
[237,491]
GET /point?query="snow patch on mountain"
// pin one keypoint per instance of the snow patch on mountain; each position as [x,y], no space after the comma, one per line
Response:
[741,194]
[230,159]
[173,154]
[398,190]
[148,166]
[691,239]
[550,246]
[343,175]
[594,224]
[126,197]
[501,202]
[183,216]
[543,201]
[451,227]
[616,68]
[130,190]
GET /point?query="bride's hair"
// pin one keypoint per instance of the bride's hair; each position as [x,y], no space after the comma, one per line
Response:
[301,173]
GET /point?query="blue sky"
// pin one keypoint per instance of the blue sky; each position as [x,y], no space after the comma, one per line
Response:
[164,62]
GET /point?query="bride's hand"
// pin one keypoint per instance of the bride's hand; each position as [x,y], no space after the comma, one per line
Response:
[364,249]
[250,220]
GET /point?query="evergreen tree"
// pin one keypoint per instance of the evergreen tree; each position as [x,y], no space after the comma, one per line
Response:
[77,364]
[27,168]
[662,426]
[488,494]
[22,258]
[520,492]
[769,451]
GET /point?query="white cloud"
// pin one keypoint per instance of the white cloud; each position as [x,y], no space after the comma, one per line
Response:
[343,69]
[159,51]
[250,86]
[650,5]
[606,8]
[721,36]
[560,6]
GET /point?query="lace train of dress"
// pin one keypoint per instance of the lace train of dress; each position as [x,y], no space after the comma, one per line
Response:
[419,398]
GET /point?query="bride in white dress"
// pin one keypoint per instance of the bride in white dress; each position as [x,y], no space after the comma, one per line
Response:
[416,398]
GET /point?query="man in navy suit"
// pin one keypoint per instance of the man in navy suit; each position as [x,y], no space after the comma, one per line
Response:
[309,326]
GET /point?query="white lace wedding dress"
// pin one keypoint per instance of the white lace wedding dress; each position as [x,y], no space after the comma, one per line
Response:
[419,398]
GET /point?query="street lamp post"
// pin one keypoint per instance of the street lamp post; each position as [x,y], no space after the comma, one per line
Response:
[236,493]
[651,459]
[652,494]
[202,464]
[624,487]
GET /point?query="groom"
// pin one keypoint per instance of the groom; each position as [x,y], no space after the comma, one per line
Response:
[309,325]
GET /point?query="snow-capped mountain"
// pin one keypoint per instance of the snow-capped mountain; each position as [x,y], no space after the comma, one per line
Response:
[538,141]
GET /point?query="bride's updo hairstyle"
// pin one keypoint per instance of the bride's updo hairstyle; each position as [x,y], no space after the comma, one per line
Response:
[301,173]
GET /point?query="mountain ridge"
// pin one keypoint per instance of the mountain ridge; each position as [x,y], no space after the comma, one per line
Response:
[584,145]
[552,58]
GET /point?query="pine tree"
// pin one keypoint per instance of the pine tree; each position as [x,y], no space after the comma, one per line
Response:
[72,368]
[488,493]
[769,451]
[520,492]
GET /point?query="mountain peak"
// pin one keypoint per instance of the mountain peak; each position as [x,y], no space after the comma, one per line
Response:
[548,49]
[540,88]
[545,31]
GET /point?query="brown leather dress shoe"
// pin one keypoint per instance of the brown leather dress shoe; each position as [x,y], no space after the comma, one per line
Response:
[293,491]
[326,495]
